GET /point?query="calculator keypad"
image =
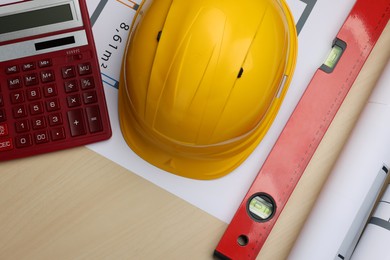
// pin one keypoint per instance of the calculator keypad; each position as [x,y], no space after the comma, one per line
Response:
[50,101]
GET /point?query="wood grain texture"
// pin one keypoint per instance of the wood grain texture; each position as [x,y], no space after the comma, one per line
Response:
[77,205]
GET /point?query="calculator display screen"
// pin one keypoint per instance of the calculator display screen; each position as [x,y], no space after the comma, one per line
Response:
[36,18]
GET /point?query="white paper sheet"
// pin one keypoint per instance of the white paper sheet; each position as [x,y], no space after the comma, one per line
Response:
[220,197]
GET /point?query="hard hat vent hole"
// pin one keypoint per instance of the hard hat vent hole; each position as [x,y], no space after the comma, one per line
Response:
[240,73]
[159,36]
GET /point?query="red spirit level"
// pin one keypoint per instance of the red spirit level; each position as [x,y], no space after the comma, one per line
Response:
[303,132]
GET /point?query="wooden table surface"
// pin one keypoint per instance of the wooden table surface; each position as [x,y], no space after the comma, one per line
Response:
[76,204]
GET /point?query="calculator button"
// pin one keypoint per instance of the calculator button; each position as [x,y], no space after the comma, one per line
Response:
[3,130]
[31,79]
[38,123]
[6,144]
[68,72]
[52,105]
[57,134]
[36,108]
[22,126]
[89,97]
[14,83]
[74,100]
[45,63]
[71,86]
[41,137]
[17,97]
[2,115]
[93,118]
[84,69]
[47,76]
[19,111]
[50,90]
[28,66]
[87,83]
[12,69]
[55,119]
[23,141]
[33,94]
[76,122]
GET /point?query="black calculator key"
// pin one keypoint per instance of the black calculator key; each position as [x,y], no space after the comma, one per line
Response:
[3,118]
[3,129]
[28,66]
[31,79]
[74,100]
[23,141]
[55,119]
[41,137]
[17,97]
[71,86]
[19,111]
[94,119]
[45,63]
[57,134]
[22,126]
[49,90]
[12,69]
[76,122]
[36,108]
[87,83]
[14,83]
[90,97]
[47,76]
[68,72]
[38,122]
[84,69]
[52,105]
[33,93]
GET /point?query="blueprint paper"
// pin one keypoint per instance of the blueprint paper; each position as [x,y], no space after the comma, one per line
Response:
[319,21]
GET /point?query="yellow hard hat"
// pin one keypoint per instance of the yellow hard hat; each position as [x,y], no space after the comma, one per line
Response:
[202,81]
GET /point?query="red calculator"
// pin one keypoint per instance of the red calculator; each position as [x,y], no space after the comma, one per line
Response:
[51,92]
